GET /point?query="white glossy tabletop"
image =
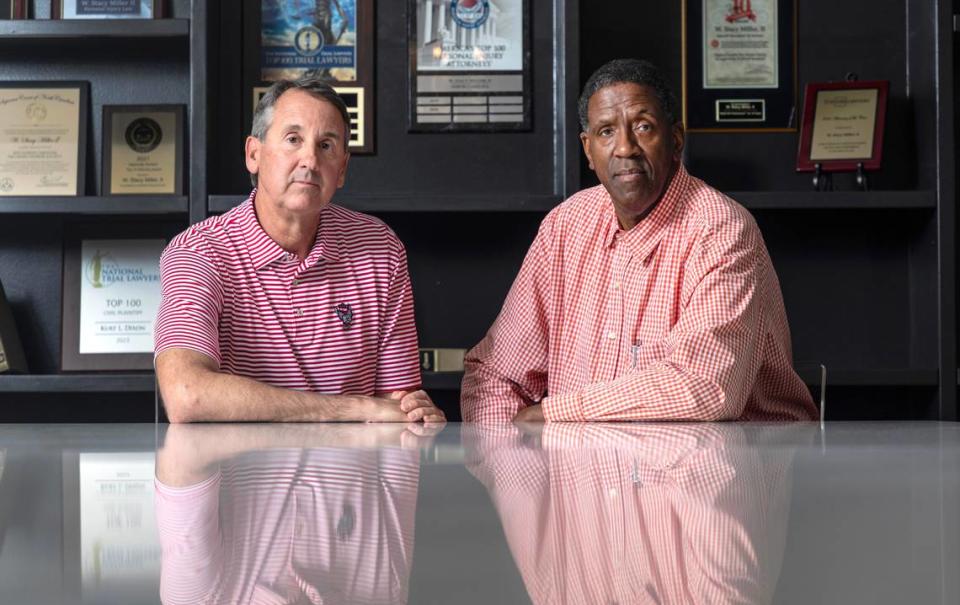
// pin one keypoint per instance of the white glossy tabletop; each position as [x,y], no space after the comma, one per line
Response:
[559,513]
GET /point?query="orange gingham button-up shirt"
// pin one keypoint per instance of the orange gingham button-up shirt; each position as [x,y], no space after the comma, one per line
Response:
[679,318]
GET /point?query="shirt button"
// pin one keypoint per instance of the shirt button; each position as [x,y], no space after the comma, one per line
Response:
[611,335]
[296,282]
[616,285]
[299,312]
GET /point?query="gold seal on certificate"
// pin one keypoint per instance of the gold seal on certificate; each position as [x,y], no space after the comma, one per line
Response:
[143,149]
[111,298]
[42,133]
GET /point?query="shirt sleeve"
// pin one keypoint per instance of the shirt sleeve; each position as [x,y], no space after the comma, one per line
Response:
[192,300]
[712,353]
[507,370]
[399,360]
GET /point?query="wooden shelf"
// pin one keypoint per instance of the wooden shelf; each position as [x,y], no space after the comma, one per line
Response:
[419,203]
[835,200]
[69,29]
[109,205]
[77,383]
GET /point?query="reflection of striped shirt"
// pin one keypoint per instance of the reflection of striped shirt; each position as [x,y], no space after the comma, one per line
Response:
[640,513]
[340,321]
[679,318]
[288,526]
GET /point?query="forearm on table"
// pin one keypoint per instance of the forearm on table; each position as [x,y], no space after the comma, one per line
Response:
[487,395]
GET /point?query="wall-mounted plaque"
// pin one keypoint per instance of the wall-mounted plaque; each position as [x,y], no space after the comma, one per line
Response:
[739,65]
[111,294]
[12,358]
[143,149]
[13,9]
[353,97]
[842,127]
[469,65]
[43,136]
[106,9]
[442,360]
[330,39]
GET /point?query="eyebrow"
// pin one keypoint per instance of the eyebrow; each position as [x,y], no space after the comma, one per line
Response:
[330,134]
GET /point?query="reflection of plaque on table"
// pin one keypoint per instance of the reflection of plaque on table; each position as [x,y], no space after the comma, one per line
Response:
[105,9]
[43,131]
[329,39]
[13,9]
[111,295]
[842,127]
[142,149]
[739,65]
[469,66]
[353,97]
[12,358]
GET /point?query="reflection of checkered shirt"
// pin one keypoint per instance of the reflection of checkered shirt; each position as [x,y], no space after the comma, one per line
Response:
[340,321]
[691,513]
[678,318]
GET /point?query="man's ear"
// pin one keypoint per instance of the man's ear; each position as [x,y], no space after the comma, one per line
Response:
[585,141]
[252,154]
[343,170]
[679,140]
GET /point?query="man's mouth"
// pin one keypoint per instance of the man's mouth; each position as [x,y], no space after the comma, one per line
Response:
[630,174]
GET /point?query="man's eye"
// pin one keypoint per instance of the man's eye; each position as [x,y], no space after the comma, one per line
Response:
[293,139]
[326,145]
[605,132]
[644,127]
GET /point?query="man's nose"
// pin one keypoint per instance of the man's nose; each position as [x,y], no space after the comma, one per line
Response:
[625,145]
[308,157]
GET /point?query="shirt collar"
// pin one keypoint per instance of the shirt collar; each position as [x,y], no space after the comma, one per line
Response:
[645,236]
[264,250]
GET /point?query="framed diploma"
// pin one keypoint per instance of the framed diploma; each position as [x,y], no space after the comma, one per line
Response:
[842,128]
[111,295]
[352,96]
[13,9]
[739,65]
[143,149]
[43,137]
[105,9]
[329,39]
[469,65]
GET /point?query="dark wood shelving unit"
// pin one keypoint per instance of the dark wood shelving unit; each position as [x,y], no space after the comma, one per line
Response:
[68,29]
[96,205]
[419,203]
[836,200]
[142,382]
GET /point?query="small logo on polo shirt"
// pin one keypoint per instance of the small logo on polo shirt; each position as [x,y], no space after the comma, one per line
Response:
[345,313]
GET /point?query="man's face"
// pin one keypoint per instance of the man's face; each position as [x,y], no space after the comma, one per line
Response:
[302,160]
[632,146]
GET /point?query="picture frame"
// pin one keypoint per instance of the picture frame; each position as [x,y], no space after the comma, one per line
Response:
[143,150]
[98,9]
[293,45]
[13,9]
[842,126]
[739,69]
[57,111]
[470,66]
[110,297]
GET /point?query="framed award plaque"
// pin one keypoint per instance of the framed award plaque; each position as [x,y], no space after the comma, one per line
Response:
[739,65]
[143,149]
[469,65]
[842,128]
[43,138]
[13,9]
[329,39]
[111,295]
[105,9]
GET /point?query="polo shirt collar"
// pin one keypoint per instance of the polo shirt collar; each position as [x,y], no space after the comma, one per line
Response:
[264,250]
[645,236]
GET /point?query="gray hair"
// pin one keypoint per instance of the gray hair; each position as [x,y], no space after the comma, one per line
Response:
[263,115]
[631,71]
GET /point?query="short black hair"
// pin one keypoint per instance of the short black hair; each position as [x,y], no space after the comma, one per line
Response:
[633,71]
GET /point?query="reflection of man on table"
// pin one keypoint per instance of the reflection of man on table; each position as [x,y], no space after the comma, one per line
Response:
[276,514]
[289,307]
[640,513]
[648,297]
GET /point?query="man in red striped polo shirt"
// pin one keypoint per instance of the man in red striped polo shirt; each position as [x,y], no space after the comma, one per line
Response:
[290,308]
[648,297]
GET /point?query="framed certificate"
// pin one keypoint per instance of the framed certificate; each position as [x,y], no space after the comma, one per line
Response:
[353,97]
[43,138]
[111,295]
[469,65]
[13,9]
[105,9]
[143,149]
[739,65]
[842,128]
[330,39]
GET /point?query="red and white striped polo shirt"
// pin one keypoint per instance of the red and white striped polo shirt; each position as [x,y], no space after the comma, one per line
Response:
[679,318]
[339,322]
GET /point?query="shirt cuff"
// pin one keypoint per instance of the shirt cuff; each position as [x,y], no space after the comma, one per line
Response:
[567,407]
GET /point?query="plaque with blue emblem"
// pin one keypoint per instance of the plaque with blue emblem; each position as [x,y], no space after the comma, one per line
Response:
[470,65]
[329,39]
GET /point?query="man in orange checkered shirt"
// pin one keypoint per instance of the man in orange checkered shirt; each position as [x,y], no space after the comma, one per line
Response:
[649,297]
